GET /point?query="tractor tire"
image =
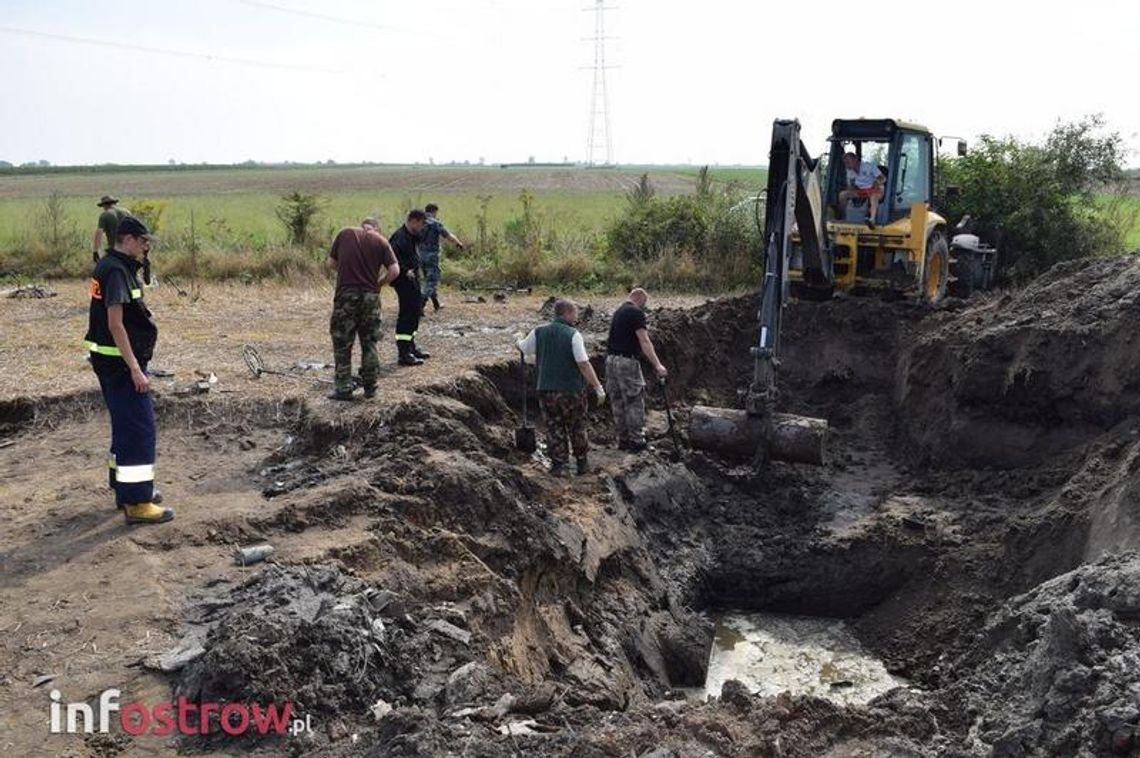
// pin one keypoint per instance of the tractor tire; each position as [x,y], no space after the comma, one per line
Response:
[967,274]
[936,270]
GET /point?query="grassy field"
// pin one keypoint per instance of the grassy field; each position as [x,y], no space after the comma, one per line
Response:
[235,206]
[1132,239]
[539,224]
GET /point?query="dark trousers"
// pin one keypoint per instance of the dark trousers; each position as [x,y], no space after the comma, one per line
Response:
[408,318]
[132,437]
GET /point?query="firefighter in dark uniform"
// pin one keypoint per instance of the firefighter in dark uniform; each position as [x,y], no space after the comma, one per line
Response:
[121,336]
[403,242]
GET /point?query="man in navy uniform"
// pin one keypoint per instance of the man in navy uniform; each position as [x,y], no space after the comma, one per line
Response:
[121,336]
[429,251]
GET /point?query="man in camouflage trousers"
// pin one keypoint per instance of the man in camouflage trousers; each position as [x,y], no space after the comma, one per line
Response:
[363,261]
[564,371]
[628,341]
[564,414]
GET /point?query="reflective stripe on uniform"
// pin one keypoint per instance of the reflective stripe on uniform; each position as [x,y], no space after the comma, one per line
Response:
[105,349]
[136,294]
[135,474]
[405,337]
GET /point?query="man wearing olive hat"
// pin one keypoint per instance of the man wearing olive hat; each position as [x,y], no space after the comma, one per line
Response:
[109,220]
[121,335]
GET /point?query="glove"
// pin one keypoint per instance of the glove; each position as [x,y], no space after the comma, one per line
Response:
[600,393]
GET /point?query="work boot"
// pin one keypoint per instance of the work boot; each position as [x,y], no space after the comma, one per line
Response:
[147,513]
[156,498]
[407,358]
[435,302]
[338,395]
[370,392]
[583,466]
[558,470]
[423,355]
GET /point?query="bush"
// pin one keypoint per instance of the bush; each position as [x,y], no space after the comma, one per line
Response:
[1043,198]
[300,213]
[150,212]
[684,240]
[56,248]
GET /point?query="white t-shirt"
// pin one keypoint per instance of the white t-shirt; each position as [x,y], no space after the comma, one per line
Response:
[529,344]
[865,176]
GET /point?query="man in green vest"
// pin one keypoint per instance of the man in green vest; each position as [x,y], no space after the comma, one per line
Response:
[564,372]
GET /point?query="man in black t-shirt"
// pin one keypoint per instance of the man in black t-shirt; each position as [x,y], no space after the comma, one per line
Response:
[625,385]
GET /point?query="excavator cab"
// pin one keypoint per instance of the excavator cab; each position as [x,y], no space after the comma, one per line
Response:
[904,249]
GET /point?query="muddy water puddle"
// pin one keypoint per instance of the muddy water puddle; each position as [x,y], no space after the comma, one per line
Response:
[773,653]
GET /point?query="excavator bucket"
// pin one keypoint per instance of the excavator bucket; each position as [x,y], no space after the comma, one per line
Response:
[793,199]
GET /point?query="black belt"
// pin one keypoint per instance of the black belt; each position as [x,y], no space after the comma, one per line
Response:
[622,355]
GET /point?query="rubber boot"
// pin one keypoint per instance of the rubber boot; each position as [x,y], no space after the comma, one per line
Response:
[370,392]
[406,357]
[147,513]
[423,355]
[435,302]
[338,395]
[583,465]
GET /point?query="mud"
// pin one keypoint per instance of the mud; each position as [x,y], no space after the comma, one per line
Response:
[971,527]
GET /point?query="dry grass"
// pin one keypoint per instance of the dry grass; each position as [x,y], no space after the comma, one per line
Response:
[42,353]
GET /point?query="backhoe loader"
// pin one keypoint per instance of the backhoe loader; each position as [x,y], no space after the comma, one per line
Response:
[816,244]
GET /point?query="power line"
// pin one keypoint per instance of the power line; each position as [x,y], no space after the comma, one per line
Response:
[318,16]
[165,51]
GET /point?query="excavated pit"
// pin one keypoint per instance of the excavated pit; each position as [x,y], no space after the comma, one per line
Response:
[491,609]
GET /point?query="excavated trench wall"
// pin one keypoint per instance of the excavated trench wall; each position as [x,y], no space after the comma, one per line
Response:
[496,579]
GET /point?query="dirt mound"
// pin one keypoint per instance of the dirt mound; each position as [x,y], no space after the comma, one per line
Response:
[1027,375]
[590,319]
[1054,672]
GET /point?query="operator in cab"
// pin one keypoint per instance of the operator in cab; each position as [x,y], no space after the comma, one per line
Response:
[865,181]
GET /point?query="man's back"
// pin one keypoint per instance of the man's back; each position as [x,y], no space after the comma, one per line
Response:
[559,349]
[109,223]
[359,256]
[622,340]
[433,232]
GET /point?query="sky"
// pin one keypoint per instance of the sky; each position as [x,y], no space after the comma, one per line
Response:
[225,81]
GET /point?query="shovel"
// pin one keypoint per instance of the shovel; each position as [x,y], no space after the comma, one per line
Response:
[676,454]
[524,435]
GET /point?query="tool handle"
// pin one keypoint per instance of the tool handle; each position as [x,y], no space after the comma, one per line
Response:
[522,376]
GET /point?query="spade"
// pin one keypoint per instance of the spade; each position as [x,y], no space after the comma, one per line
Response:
[524,434]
